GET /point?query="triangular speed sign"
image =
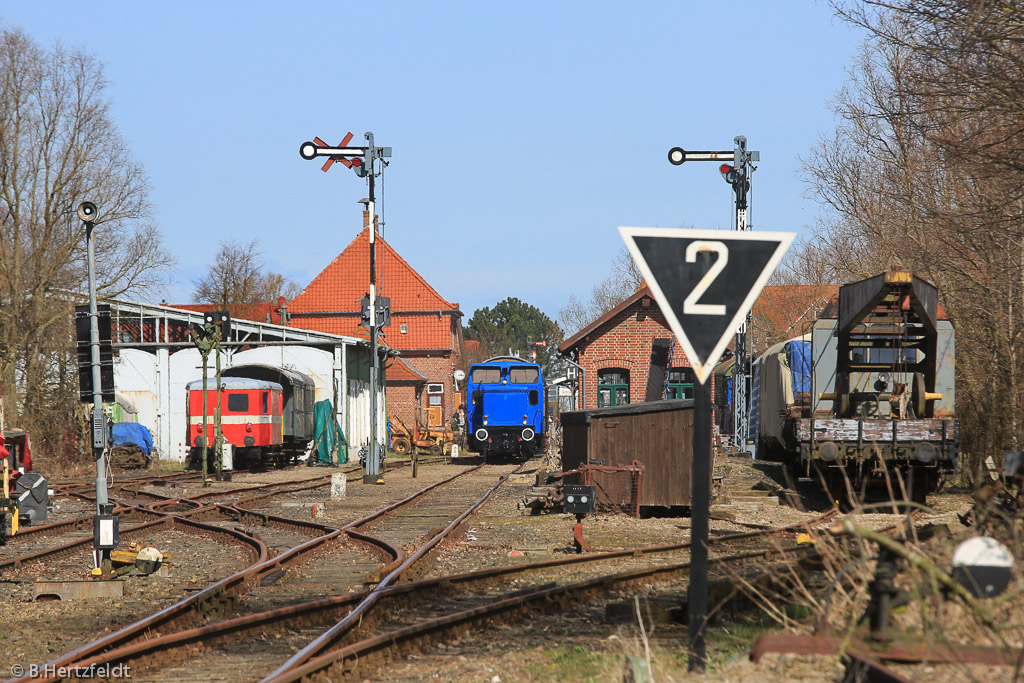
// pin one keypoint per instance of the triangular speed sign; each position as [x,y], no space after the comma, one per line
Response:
[705,281]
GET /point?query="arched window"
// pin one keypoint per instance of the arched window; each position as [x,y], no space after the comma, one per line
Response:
[612,387]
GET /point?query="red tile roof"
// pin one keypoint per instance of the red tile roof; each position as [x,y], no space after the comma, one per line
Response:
[330,303]
[401,371]
[575,339]
[787,311]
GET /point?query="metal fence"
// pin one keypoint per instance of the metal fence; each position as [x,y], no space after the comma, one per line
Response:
[617,487]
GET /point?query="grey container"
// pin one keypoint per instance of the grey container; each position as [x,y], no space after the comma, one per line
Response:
[30,491]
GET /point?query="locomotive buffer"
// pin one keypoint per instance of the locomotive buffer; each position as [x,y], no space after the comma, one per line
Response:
[705,282]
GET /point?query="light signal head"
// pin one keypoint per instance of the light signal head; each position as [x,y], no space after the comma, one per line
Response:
[728,173]
[359,167]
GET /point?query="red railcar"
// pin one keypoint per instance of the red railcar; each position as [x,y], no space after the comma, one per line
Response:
[251,418]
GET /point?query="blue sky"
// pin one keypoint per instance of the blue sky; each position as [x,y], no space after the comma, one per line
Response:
[523,133]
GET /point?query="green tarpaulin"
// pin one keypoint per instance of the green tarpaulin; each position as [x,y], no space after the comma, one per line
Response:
[328,436]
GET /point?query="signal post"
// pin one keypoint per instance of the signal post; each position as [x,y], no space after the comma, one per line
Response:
[737,175]
[705,282]
[91,386]
[376,310]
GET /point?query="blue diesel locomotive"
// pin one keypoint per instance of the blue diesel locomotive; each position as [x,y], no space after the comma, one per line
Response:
[505,416]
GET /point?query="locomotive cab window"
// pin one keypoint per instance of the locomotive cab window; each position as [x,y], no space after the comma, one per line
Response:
[487,375]
[523,375]
[238,403]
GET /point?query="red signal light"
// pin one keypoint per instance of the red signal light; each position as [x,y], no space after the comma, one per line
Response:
[728,173]
[724,168]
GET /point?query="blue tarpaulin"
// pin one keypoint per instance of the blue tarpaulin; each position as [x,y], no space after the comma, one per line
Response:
[800,363]
[135,434]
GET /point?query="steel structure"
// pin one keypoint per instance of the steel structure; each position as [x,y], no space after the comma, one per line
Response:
[362,161]
[163,333]
[737,175]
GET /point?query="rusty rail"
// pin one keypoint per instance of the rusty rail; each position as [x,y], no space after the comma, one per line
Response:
[159,643]
[261,567]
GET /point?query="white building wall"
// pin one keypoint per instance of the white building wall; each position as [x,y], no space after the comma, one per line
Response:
[137,380]
[156,383]
[319,365]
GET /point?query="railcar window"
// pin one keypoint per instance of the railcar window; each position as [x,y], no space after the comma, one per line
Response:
[884,356]
[487,375]
[523,375]
[266,401]
[238,403]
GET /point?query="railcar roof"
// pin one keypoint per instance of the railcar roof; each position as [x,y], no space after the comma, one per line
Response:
[264,372]
[232,383]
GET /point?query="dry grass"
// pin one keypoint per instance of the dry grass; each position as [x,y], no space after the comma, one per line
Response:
[937,610]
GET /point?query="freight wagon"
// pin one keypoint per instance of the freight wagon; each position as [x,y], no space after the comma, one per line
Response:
[870,400]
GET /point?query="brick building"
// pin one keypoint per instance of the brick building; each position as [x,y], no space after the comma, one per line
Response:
[615,350]
[615,353]
[425,328]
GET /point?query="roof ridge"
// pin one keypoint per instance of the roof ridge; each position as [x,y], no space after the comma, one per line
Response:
[407,265]
[324,284]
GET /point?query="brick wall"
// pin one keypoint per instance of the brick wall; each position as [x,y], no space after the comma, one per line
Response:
[437,369]
[625,342]
[402,403]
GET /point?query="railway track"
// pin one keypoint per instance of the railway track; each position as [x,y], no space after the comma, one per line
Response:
[267,583]
[36,544]
[225,658]
[457,605]
[338,598]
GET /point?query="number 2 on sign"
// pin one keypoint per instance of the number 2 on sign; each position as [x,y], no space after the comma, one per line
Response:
[690,305]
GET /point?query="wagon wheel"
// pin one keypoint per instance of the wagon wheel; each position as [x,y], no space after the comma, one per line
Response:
[401,446]
[917,396]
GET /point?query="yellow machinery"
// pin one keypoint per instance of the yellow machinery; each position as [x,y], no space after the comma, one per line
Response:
[8,506]
[435,440]
[146,560]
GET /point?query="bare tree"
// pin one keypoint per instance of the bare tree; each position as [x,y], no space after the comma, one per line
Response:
[925,173]
[235,281]
[623,281]
[59,147]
